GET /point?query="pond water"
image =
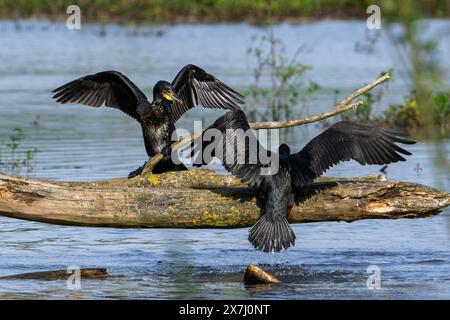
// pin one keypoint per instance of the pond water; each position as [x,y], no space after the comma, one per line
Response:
[329,260]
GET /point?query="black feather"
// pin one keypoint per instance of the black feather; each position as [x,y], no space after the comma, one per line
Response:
[344,141]
[94,90]
[113,89]
[195,86]
[341,142]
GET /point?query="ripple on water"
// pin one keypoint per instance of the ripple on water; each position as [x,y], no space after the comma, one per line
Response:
[329,260]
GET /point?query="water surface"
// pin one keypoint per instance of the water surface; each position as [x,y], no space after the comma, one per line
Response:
[79,143]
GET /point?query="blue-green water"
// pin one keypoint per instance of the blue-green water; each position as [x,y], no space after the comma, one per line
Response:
[79,143]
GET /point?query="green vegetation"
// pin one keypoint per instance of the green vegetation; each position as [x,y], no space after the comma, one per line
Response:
[407,116]
[363,113]
[163,11]
[286,76]
[425,75]
[426,110]
[12,158]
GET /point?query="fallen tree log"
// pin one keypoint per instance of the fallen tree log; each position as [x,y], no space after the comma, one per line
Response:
[205,199]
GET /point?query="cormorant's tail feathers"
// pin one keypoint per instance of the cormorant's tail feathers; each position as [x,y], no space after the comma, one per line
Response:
[271,235]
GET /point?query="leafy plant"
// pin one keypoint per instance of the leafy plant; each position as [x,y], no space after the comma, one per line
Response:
[363,113]
[404,116]
[441,108]
[12,159]
[409,116]
[285,76]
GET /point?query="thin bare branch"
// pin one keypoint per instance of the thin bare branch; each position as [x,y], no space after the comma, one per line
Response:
[292,123]
[343,106]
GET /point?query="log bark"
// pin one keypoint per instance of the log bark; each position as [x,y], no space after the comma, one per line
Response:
[205,199]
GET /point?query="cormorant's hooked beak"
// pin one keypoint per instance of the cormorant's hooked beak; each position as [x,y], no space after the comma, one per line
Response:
[171,96]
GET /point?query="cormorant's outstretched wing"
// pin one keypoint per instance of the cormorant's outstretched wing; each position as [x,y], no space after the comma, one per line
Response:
[108,87]
[239,147]
[344,141]
[195,86]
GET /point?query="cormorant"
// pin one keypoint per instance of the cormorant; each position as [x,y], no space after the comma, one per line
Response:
[192,86]
[343,141]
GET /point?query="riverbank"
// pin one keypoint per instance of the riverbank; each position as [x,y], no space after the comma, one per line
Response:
[206,11]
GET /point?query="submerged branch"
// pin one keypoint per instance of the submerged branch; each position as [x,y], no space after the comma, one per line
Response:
[88,273]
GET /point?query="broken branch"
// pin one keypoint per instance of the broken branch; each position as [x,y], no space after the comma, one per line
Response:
[343,106]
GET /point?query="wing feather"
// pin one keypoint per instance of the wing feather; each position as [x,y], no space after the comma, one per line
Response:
[234,147]
[110,88]
[345,141]
[195,86]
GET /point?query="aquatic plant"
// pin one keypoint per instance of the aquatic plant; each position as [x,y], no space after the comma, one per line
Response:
[409,116]
[365,112]
[362,114]
[12,157]
[287,88]
[405,116]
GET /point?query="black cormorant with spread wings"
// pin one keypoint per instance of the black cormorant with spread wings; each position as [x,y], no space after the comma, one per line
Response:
[191,87]
[343,141]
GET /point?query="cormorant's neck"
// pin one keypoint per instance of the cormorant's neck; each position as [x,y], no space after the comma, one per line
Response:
[166,103]
[162,103]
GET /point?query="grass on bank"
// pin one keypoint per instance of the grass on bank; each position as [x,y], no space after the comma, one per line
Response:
[173,11]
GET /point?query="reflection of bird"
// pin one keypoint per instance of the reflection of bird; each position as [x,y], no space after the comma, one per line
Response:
[341,142]
[192,86]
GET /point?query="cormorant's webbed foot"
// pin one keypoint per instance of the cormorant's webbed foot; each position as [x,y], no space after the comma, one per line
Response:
[136,172]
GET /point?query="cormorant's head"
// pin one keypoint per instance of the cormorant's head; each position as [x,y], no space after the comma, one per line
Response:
[165,91]
[284,150]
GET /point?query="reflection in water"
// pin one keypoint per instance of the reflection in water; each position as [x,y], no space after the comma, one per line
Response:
[79,143]
[179,267]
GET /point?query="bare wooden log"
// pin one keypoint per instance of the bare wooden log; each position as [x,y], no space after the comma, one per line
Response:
[205,199]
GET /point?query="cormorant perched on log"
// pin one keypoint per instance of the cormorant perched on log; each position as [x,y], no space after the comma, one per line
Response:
[240,154]
[192,86]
